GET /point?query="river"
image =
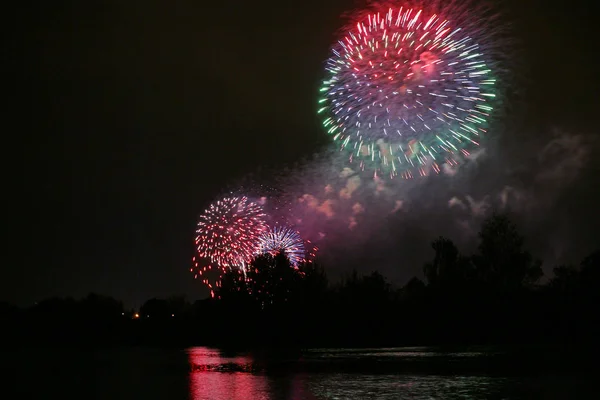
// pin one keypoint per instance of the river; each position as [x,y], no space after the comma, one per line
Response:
[202,373]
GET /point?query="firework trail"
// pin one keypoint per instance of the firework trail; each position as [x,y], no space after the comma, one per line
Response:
[406,91]
[209,274]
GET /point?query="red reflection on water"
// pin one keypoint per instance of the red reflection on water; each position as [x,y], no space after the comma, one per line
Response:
[215,377]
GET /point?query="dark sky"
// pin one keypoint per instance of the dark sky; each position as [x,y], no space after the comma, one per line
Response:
[123,119]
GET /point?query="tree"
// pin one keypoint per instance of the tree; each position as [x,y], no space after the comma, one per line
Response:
[590,268]
[565,280]
[448,266]
[376,288]
[414,287]
[313,283]
[590,276]
[502,261]
[272,280]
[233,286]
[155,309]
[101,307]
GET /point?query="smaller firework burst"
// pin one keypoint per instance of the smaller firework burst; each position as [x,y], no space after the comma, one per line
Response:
[286,240]
[229,232]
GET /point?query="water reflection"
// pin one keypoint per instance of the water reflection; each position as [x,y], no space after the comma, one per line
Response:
[362,374]
[202,373]
[385,387]
[214,376]
[218,376]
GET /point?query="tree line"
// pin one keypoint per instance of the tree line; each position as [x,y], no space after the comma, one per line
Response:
[495,296]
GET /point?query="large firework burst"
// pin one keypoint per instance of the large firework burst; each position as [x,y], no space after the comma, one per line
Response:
[229,231]
[406,91]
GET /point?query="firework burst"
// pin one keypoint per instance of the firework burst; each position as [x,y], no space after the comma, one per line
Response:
[406,91]
[288,241]
[229,231]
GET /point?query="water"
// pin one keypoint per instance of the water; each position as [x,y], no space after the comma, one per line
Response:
[208,374]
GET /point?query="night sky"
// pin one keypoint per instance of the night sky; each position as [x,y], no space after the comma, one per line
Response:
[123,120]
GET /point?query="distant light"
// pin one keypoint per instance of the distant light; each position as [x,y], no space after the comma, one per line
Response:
[136,315]
[172,315]
[122,313]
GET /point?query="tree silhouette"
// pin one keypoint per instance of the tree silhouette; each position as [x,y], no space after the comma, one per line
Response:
[487,298]
[590,270]
[272,280]
[445,258]
[590,280]
[155,309]
[313,284]
[233,286]
[414,287]
[502,261]
[565,279]
[449,267]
